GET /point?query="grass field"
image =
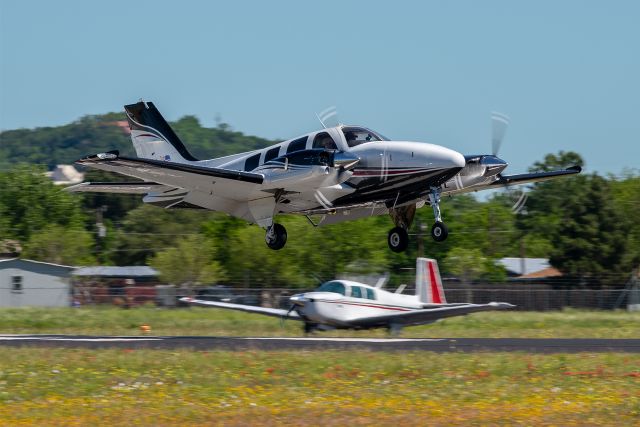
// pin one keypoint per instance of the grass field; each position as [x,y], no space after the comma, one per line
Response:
[156,387]
[204,321]
[40,386]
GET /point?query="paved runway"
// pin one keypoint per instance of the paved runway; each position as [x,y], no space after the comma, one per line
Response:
[321,343]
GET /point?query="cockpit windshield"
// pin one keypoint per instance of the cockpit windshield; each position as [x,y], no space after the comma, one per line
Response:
[356,136]
[335,287]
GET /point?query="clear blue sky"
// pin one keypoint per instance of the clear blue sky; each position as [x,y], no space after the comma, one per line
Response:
[566,72]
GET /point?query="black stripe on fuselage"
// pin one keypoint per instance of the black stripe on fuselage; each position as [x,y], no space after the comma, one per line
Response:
[410,186]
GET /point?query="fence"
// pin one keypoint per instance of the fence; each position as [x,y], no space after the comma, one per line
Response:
[525,297]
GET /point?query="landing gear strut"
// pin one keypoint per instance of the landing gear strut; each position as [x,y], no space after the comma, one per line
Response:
[439,231]
[276,236]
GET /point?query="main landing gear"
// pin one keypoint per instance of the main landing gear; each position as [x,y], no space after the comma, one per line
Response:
[398,237]
[276,236]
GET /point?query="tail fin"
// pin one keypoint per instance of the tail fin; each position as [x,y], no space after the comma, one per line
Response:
[152,136]
[428,282]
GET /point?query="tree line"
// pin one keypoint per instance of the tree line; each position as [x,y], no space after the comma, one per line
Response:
[586,225]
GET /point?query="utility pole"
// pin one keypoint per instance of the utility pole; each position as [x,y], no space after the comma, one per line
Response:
[420,227]
[101,232]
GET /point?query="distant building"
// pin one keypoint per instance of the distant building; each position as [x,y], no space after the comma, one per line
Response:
[529,268]
[123,125]
[127,286]
[10,248]
[65,175]
[25,282]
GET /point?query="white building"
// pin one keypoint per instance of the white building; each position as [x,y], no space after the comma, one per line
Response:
[65,175]
[33,283]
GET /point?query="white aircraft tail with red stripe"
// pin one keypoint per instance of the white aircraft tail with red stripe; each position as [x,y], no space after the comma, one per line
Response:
[428,282]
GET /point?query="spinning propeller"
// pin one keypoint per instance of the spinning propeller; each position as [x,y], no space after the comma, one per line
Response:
[499,125]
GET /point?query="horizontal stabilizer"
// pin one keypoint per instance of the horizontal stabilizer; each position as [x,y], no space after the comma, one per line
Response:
[139,187]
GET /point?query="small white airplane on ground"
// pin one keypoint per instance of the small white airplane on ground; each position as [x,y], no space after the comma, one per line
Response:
[337,174]
[343,304]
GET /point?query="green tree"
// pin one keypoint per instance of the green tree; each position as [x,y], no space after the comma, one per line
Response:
[190,262]
[29,202]
[591,239]
[625,195]
[60,245]
[545,207]
[467,264]
[147,230]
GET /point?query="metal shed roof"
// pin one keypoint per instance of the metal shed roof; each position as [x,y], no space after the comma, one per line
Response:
[531,265]
[133,271]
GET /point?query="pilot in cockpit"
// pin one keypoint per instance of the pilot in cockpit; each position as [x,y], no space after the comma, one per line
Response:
[350,137]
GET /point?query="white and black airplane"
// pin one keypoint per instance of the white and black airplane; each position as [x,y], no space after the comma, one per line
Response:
[344,304]
[334,174]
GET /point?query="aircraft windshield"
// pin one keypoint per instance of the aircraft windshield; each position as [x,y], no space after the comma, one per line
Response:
[335,287]
[356,136]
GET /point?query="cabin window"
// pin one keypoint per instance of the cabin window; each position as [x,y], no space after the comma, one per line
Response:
[370,294]
[297,145]
[16,284]
[356,136]
[252,162]
[271,154]
[323,140]
[335,287]
[356,292]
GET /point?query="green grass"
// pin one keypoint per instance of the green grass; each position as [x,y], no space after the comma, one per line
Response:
[205,321]
[185,387]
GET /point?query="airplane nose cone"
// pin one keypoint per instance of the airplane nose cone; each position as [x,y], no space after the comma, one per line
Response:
[457,159]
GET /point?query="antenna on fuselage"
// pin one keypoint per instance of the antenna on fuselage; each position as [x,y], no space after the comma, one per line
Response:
[400,288]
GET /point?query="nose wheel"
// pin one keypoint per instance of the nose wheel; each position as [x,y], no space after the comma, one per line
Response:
[276,236]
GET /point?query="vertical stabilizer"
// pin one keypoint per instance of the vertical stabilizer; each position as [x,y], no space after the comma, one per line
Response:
[152,136]
[428,282]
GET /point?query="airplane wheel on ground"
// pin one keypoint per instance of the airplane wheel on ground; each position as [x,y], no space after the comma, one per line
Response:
[276,237]
[439,232]
[398,239]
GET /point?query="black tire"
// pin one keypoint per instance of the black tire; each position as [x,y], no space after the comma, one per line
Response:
[278,239]
[398,239]
[439,232]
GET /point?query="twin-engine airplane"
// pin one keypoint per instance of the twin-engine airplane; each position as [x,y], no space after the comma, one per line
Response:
[338,173]
[343,304]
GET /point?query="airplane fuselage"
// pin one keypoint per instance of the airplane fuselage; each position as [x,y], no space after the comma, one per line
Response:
[349,303]
[334,174]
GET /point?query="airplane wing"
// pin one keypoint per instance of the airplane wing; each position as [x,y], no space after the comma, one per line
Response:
[430,313]
[507,180]
[274,312]
[525,178]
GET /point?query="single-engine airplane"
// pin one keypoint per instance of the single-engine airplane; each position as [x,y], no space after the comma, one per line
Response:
[344,304]
[336,174]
